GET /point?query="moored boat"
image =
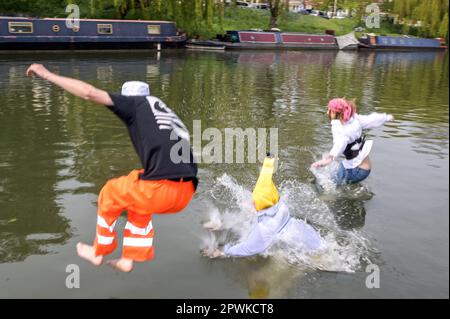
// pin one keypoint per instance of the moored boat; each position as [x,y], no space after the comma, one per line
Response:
[53,34]
[194,44]
[400,43]
[272,39]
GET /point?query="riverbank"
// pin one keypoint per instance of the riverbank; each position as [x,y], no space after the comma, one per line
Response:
[244,19]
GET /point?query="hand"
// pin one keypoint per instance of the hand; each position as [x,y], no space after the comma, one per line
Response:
[327,159]
[39,70]
[390,117]
[216,253]
[316,164]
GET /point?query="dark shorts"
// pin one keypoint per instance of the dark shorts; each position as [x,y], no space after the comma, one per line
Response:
[350,176]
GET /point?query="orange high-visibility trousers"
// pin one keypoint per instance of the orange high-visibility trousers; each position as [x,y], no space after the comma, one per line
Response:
[141,198]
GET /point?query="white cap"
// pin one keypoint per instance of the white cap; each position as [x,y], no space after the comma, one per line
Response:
[135,88]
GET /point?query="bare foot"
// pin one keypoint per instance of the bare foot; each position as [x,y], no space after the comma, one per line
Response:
[212,225]
[122,264]
[87,252]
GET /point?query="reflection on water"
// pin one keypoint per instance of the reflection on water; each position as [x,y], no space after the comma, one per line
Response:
[30,218]
[52,144]
[268,277]
[349,211]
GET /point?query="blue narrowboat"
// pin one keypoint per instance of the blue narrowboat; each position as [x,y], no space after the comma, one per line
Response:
[400,43]
[53,34]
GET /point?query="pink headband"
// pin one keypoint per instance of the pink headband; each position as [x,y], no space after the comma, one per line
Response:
[341,106]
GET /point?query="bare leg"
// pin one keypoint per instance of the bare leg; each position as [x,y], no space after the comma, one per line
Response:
[87,252]
[122,264]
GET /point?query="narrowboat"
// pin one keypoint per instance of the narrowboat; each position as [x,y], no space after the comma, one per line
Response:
[400,43]
[54,34]
[194,44]
[275,39]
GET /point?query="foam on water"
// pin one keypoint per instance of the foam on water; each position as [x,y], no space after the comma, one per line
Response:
[232,209]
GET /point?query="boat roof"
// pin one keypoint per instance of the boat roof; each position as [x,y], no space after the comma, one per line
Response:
[102,20]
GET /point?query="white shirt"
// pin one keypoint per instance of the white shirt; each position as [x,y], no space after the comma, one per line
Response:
[271,222]
[344,134]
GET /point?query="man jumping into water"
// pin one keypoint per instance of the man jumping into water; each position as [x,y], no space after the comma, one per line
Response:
[273,219]
[164,185]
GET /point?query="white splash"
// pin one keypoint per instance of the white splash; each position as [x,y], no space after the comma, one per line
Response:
[346,250]
[324,177]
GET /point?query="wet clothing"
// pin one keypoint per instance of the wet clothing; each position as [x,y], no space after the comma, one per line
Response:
[155,131]
[272,222]
[350,175]
[351,131]
[165,185]
[142,199]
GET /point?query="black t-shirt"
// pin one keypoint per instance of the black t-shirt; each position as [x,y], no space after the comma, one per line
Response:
[158,135]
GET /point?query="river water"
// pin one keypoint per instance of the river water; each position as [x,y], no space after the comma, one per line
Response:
[57,151]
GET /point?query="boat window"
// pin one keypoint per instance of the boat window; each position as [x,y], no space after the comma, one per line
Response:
[20,27]
[154,29]
[56,28]
[104,28]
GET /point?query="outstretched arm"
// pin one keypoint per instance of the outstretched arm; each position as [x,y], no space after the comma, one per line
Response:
[76,87]
[374,120]
[255,243]
[326,160]
[340,141]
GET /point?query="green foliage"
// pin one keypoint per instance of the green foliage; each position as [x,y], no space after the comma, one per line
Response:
[433,15]
[311,24]
[47,8]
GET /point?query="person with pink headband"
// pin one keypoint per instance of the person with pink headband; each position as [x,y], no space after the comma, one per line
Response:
[347,128]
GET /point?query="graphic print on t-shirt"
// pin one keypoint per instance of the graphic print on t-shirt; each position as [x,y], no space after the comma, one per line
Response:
[167,119]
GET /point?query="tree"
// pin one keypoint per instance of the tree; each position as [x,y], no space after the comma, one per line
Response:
[433,15]
[274,13]
[443,30]
[209,12]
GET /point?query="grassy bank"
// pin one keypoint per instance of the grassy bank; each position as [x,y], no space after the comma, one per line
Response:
[242,19]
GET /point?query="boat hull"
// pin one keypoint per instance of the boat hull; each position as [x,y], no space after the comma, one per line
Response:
[397,43]
[399,48]
[276,46]
[52,45]
[259,40]
[204,45]
[53,34]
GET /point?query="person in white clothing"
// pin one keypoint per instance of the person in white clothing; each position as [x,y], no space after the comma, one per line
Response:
[273,219]
[348,140]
